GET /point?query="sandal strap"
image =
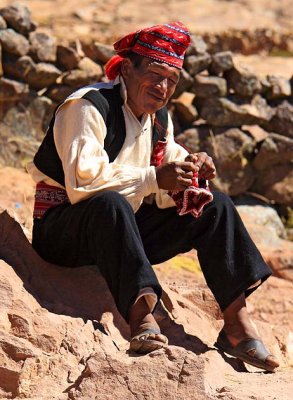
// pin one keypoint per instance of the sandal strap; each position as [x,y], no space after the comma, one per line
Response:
[150,331]
[254,348]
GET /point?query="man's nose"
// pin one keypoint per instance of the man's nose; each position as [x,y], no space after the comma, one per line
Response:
[163,85]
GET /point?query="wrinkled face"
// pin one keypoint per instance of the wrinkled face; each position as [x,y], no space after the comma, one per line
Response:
[149,85]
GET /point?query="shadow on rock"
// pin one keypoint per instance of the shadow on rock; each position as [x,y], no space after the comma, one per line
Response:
[79,292]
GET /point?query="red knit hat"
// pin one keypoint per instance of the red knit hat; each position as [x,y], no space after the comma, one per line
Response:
[165,43]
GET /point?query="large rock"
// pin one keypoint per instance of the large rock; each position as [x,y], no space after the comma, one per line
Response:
[223,112]
[209,86]
[275,149]
[51,327]
[18,67]
[91,67]
[78,78]
[184,83]
[197,46]
[267,217]
[43,47]
[195,64]
[11,91]
[67,57]
[58,93]
[278,87]
[235,112]
[1,67]
[43,75]
[243,81]
[14,43]
[221,62]
[276,183]
[282,120]
[18,16]
[3,24]
[185,109]
[99,52]
[267,232]
[231,151]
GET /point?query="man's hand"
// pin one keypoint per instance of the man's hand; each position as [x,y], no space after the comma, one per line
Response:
[175,175]
[204,165]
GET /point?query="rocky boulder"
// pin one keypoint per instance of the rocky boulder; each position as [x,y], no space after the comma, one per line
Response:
[18,16]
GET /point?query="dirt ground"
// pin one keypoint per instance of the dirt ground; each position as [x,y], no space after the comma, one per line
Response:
[99,18]
[105,21]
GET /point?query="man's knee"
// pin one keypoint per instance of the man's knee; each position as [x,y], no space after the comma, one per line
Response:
[110,201]
[222,204]
[222,200]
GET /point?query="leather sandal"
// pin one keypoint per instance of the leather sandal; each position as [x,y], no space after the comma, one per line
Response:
[142,345]
[251,351]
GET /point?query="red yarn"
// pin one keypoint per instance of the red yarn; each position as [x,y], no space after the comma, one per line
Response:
[113,66]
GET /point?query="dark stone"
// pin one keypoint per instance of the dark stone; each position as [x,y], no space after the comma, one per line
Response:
[18,68]
[223,112]
[278,87]
[275,149]
[78,78]
[11,90]
[43,75]
[208,86]
[43,47]
[58,93]
[99,52]
[282,120]
[67,57]
[184,83]
[195,64]
[3,24]
[276,184]
[231,152]
[197,46]
[221,62]
[14,43]
[243,82]
[18,16]
[1,67]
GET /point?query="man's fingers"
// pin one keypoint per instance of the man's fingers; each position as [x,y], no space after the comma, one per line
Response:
[183,181]
[187,166]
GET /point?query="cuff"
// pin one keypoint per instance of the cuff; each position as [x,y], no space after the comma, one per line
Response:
[151,184]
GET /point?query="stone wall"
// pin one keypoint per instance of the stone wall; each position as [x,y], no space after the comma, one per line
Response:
[244,122]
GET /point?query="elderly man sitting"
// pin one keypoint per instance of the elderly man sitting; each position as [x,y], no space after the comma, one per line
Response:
[115,190]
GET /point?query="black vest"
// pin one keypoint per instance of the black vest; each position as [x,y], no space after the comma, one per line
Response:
[109,103]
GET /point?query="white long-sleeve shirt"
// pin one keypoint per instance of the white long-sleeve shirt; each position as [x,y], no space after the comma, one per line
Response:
[79,133]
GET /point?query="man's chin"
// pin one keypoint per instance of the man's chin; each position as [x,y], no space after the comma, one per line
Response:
[154,107]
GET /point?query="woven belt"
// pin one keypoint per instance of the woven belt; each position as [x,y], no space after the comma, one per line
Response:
[46,197]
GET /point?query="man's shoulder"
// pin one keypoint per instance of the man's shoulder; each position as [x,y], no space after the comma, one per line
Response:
[97,87]
[98,95]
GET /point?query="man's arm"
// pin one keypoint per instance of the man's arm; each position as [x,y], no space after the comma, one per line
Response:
[79,133]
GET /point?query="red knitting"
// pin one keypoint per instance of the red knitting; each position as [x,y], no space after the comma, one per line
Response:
[191,200]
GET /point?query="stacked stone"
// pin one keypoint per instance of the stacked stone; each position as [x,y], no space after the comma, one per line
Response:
[35,75]
[247,41]
[244,122]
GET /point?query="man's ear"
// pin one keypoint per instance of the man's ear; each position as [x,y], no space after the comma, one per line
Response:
[126,68]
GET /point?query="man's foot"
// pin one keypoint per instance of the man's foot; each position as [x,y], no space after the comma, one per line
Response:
[240,339]
[145,332]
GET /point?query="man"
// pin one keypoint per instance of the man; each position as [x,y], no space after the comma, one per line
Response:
[100,201]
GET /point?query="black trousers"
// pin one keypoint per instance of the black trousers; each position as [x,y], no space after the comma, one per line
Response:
[103,230]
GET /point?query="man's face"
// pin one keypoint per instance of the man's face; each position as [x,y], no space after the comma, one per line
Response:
[149,86]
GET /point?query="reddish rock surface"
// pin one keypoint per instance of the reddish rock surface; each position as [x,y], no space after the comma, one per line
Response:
[59,341]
